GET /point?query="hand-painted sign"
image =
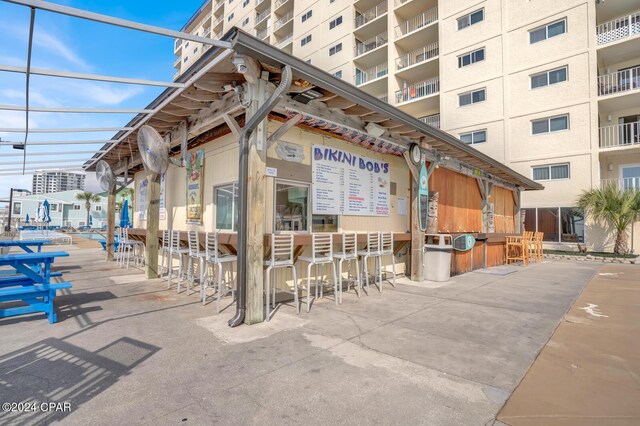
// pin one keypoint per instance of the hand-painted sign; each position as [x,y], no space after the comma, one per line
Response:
[348,183]
[464,242]
[423,197]
[143,198]
[195,168]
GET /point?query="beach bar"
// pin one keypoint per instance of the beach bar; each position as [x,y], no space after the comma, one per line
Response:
[264,144]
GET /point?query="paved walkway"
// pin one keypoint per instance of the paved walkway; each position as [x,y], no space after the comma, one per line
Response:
[128,351]
[589,372]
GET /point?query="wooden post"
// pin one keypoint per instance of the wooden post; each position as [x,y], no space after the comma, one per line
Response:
[485,188]
[517,214]
[417,236]
[256,209]
[153,221]
[111,221]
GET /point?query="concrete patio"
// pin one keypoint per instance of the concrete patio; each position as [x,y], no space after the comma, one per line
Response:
[127,350]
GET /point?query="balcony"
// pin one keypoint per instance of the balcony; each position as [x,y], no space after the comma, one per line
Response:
[417,56]
[263,16]
[371,14]
[218,5]
[621,183]
[283,20]
[431,120]
[371,74]
[619,82]
[218,21]
[177,46]
[373,43]
[620,135]
[279,3]
[418,90]
[618,29]
[262,5]
[416,23]
[284,41]
[384,98]
[263,33]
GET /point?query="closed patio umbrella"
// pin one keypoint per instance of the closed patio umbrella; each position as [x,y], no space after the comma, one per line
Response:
[26,221]
[124,215]
[90,220]
[46,218]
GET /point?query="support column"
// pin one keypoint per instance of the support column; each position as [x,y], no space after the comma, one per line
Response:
[153,222]
[417,236]
[485,192]
[111,221]
[517,214]
[256,209]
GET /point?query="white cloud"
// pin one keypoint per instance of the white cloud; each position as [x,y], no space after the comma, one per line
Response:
[106,94]
[36,98]
[58,47]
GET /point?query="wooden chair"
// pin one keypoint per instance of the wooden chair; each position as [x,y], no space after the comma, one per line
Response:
[537,246]
[518,248]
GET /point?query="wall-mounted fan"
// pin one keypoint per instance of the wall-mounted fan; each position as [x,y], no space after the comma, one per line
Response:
[154,151]
[104,174]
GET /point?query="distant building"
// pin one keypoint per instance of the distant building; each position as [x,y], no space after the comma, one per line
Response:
[49,182]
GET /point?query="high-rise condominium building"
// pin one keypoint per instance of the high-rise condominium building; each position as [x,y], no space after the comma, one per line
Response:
[46,182]
[551,88]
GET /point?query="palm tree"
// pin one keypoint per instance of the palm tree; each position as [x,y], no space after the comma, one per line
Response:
[619,208]
[88,198]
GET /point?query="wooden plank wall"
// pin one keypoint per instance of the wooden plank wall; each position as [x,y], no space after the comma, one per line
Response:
[504,208]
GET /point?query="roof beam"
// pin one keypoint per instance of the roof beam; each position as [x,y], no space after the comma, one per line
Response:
[284,128]
[232,123]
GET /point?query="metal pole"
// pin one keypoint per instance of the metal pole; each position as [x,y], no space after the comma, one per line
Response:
[8,226]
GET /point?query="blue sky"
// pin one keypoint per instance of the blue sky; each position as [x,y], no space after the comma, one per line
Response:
[64,43]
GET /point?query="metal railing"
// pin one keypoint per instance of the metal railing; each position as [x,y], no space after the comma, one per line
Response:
[418,90]
[283,20]
[279,3]
[177,44]
[621,183]
[371,14]
[384,98]
[371,74]
[258,2]
[373,43]
[263,34]
[285,40]
[401,2]
[619,81]
[218,4]
[218,20]
[618,28]
[416,56]
[417,22]
[626,134]
[261,17]
[431,120]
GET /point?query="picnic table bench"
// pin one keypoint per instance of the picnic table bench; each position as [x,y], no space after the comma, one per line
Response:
[25,245]
[31,284]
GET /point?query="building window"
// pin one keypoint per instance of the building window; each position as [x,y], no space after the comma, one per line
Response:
[226,205]
[548,31]
[245,21]
[305,40]
[551,172]
[186,58]
[77,207]
[230,17]
[559,224]
[307,15]
[324,223]
[17,208]
[548,78]
[550,124]
[335,22]
[245,3]
[338,74]
[98,208]
[470,19]
[471,58]
[195,50]
[335,49]
[291,206]
[479,136]
[53,207]
[308,61]
[630,176]
[472,97]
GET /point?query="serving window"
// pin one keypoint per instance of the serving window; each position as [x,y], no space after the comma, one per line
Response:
[226,203]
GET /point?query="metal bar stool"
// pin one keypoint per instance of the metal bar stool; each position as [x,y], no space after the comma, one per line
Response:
[371,251]
[194,256]
[281,257]
[125,247]
[387,250]
[349,253]
[215,259]
[321,254]
[164,250]
[176,250]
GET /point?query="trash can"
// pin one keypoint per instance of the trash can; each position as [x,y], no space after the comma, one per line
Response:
[437,257]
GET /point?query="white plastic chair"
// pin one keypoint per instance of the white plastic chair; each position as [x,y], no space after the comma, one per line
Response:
[125,247]
[321,254]
[164,250]
[194,256]
[373,250]
[387,250]
[216,260]
[175,250]
[281,257]
[349,253]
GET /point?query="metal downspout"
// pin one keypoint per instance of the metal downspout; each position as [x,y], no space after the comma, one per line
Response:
[263,111]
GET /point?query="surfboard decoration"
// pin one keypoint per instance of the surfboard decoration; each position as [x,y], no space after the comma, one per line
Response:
[464,242]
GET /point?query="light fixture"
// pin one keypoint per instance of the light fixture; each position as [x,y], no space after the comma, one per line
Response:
[609,117]
[374,130]
[610,167]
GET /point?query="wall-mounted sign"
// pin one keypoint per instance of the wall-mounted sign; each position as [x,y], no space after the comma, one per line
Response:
[271,171]
[143,198]
[195,169]
[464,242]
[423,197]
[290,152]
[348,183]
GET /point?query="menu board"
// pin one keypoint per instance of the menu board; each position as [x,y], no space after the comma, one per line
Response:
[345,183]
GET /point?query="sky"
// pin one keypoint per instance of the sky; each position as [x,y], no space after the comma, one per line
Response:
[70,44]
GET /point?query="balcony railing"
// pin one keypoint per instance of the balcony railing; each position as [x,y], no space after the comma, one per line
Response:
[621,183]
[279,3]
[373,43]
[218,20]
[283,20]
[371,74]
[384,98]
[261,17]
[371,14]
[418,90]
[264,33]
[626,134]
[401,2]
[619,81]
[417,22]
[258,2]
[177,44]
[285,40]
[431,120]
[619,28]
[218,4]
[416,56]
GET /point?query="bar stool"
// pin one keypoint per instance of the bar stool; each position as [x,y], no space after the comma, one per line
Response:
[125,247]
[164,249]
[281,257]
[215,259]
[371,251]
[321,254]
[349,253]
[175,250]
[537,246]
[194,256]
[386,249]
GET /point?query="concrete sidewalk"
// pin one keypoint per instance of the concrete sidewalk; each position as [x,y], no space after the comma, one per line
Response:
[127,350]
[589,372]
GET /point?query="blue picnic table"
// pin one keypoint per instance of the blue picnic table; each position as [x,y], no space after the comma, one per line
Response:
[31,284]
[25,245]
